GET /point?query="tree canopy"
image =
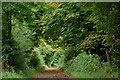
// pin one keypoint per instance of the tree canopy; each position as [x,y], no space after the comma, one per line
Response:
[52,34]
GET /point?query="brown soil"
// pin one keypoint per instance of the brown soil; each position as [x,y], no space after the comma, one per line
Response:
[53,73]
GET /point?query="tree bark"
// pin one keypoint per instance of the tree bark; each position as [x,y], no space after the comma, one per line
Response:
[108,57]
[9,25]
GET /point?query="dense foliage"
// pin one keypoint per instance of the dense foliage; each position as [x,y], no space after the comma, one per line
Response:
[73,35]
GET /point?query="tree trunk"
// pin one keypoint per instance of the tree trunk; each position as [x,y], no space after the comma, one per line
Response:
[100,62]
[108,57]
[9,25]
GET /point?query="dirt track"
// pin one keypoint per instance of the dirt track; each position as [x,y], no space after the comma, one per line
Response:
[53,73]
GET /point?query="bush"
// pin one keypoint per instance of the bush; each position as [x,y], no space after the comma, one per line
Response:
[87,65]
[18,60]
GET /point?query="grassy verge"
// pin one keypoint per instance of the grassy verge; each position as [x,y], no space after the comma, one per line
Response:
[22,74]
[97,74]
[11,75]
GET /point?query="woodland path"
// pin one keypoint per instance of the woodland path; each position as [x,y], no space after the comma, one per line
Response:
[54,74]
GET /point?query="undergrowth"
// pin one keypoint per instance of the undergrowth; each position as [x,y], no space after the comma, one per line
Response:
[22,74]
[88,66]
